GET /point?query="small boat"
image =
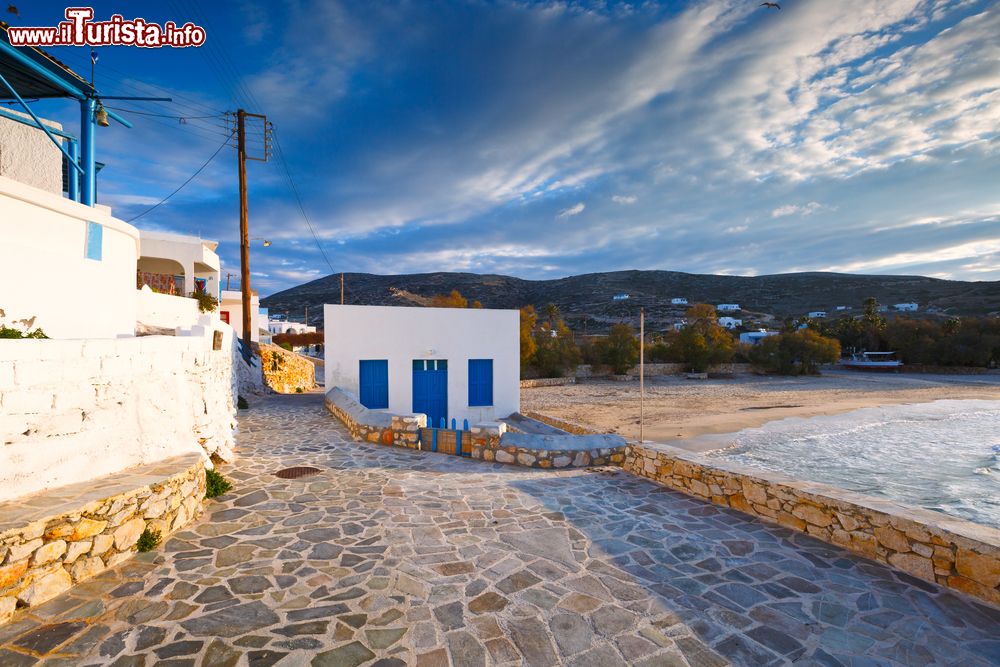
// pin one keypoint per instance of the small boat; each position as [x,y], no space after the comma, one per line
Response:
[872,361]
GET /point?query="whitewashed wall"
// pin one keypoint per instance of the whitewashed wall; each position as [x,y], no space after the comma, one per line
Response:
[73,410]
[44,271]
[28,156]
[401,335]
[165,310]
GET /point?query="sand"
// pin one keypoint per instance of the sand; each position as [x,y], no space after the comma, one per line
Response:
[698,414]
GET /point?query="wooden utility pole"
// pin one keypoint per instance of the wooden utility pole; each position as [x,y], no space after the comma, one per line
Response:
[642,370]
[341,289]
[307,316]
[241,151]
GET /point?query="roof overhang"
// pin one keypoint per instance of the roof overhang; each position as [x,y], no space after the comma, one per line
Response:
[36,74]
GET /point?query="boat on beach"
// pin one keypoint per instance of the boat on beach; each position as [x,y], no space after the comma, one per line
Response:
[872,361]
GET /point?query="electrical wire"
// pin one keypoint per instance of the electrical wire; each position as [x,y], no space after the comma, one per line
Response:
[181,186]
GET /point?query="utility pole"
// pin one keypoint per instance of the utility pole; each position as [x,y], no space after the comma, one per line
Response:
[307,316]
[228,276]
[642,370]
[242,157]
[341,289]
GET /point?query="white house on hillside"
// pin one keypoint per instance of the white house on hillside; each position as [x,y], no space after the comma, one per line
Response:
[728,307]
[447,363]
[231,312]
[754,337]
[905,307]
[276,327]
[730,322]
[816,314]
[178,264]
[678,301]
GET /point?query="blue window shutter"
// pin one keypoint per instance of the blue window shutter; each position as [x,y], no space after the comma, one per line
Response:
[480,382]
[373,381]
[95,241]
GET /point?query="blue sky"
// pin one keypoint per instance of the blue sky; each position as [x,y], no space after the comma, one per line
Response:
[548,139]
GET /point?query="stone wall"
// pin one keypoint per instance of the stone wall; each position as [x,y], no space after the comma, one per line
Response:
[547,382]
[45,548]
[926,544]
[652,370]
[286,372]
[73,410]
[561,424]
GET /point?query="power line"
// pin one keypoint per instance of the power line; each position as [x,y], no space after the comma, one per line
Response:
[191,178]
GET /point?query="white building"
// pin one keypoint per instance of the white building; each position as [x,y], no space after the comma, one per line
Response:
[680,324]
[728,307]
[678,301]
[231,312]
[754,337]
[730,322]
[843,307]
[905,307]
[450,363]
[275,327]
[178,264]
[816,314]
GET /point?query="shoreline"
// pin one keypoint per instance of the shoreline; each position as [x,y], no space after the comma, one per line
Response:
[703,415]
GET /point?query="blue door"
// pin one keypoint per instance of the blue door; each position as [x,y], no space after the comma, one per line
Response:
[430,390]
[373,376]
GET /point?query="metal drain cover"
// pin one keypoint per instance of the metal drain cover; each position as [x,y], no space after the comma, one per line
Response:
[297,471]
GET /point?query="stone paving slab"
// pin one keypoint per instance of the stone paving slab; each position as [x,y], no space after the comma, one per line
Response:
[397,557]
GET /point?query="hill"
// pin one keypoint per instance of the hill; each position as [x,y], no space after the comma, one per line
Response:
[587,300]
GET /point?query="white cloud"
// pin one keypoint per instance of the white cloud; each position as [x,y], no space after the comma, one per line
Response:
[795,209]
[624,199]
[575,209]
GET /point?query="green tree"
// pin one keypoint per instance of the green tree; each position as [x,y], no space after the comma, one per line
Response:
[452,300]
[528,320]
[703,342]
[620,349]
[555,350]
[797,353]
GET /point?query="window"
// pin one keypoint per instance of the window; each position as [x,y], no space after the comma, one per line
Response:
[430,364]
[224,316]
[480,382]
[373,375]
[95,241]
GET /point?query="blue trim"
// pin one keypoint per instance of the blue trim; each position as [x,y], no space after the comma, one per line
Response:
[373,383]
[38,123]
[88,130]
[480,382]
[71,89]
[95,241]
[72,178]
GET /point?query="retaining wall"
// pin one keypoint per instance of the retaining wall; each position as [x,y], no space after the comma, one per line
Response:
[652,370]
[286,372]
[546,382]
[74,410]
[929,545]
[51,541]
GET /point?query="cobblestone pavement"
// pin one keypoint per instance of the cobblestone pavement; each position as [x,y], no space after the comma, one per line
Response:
[393,557]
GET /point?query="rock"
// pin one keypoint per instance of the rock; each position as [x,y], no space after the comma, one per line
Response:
[350,655]
[11,573]
[76,549]
[812,514]
[232,621]
[101,544]
[489,601]
[86,568]
[980,568]
[525,459]
[128,533]
[48,553]
[892,538]
[21,551]
[504,457]
[581,459]
[46,586]
[913,564]
[561,461]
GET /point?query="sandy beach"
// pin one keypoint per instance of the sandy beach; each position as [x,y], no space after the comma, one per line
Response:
[697,414]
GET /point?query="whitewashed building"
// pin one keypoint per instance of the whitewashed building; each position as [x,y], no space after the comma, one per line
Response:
[678,301]
[754,337]
[275,327]
[447,363]
[905,307]
[178,264]
[816,314]
[728,307]
[730,322]
[231,312]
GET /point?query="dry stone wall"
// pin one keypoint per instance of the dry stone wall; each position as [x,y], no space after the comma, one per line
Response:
[45,549]
[928,545]
[286,372]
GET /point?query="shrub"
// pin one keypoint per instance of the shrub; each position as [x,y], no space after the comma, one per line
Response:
[25,330]
[285,346]
[299,390]
[797,353]
[703,342]
[620,349]
[241,403]
[216,484]
[206,302]
[148,540]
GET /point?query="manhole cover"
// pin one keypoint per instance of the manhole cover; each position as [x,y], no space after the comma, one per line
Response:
[297,471]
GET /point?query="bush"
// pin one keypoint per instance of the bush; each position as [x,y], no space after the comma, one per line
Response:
[148,540]
[285,346]
[25,330]
[620,349]
[797,353]
[241,403]
[703,342]
[206,302]
[299,390]
[215,484]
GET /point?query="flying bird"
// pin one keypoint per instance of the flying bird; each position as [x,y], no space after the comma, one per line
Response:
[770,5]
[11,9]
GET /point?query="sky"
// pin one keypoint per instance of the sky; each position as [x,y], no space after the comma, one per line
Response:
[555,138]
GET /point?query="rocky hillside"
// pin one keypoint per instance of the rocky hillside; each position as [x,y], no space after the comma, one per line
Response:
[587,300]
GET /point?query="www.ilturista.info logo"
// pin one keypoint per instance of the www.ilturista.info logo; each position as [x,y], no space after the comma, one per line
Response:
[80,30]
